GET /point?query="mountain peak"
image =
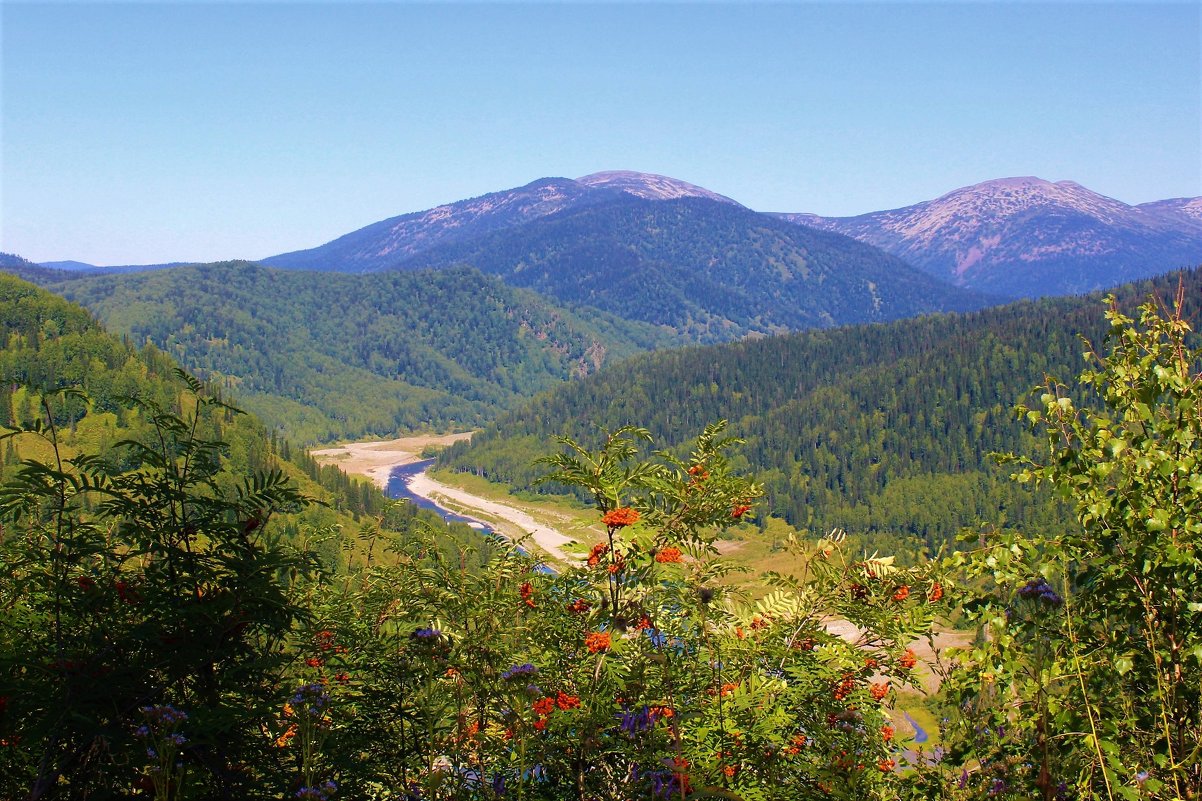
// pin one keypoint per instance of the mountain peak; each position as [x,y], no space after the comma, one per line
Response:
[1030,189]
[1025,235]
[1013,182]
[650,186]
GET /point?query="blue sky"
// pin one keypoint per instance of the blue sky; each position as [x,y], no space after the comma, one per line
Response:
[148,132]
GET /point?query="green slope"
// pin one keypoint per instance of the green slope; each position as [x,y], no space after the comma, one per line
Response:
[50,343]
[325,356]
[883,429]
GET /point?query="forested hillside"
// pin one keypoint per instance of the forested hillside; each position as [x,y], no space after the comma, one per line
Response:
[711,270]
[323,356]
[877,429]
[52,344]
[24,268]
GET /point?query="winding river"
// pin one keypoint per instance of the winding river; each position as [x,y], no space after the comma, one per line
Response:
[398,488]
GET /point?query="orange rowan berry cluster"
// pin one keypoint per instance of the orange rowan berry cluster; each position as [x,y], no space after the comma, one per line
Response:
[669,555]
[844,687]
[599,550]
[795,746]
[622,516]
[543,707]
[527,594]
[597,641]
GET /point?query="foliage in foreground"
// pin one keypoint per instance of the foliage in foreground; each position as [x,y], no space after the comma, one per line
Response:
[1089,682]
[157,638]
[126,589]
[637,674]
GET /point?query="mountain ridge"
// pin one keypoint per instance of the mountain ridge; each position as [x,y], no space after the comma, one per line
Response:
[712,270]
[1011,237]
[1026,236]
[382,244]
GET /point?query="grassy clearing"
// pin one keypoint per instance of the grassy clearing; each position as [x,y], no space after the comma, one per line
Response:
[914,703]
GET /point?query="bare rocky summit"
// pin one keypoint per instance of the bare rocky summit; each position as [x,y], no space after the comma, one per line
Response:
[1028,237]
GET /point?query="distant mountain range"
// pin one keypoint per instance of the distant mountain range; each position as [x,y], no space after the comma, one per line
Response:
[1009,237]
[441,328]
[711,270]
[1030,237]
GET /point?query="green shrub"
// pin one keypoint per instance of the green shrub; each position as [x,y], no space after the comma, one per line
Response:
[1087,681]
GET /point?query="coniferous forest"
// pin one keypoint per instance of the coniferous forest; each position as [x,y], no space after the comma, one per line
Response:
[336,356]
[882,430]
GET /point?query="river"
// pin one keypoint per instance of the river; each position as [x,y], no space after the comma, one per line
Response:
[398,488]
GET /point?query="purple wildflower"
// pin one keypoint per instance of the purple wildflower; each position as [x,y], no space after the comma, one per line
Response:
[1039,591]
[312,698]
[322,792]
[519,671]
[638,721]
[664,783]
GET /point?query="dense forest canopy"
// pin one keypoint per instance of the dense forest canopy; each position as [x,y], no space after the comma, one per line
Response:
[52,344]
[712,271]
[877,429]
[325,356]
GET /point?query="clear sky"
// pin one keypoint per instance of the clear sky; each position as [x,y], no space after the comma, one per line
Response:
[150,132]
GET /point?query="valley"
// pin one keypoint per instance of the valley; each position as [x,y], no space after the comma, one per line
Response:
[375,459]
[507,516]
